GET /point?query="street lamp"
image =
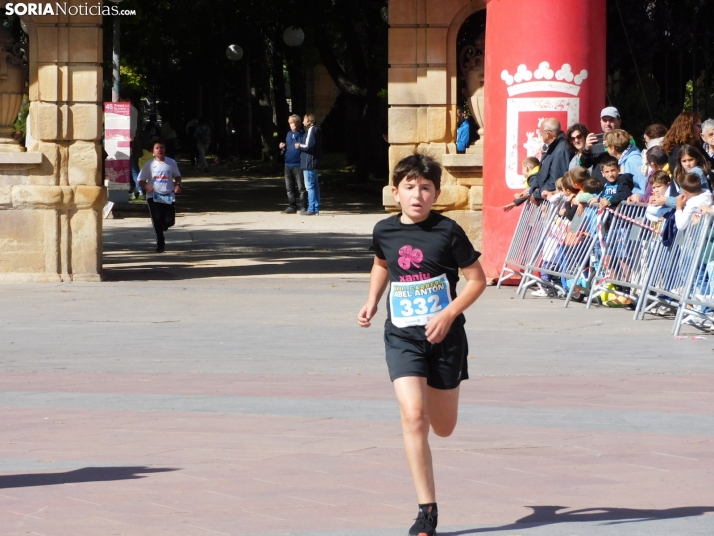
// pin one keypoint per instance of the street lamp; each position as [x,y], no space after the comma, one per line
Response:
[293,36]
[116,55]
[234,52]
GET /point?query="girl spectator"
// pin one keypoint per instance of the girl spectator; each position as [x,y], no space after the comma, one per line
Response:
[691,160]
[575,141]
[685,130]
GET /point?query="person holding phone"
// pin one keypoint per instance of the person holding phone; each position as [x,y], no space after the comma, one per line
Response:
[594,148]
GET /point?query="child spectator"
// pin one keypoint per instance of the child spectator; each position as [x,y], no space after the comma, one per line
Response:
[693,196]
[662,188]
[559,192]
[589,190]
[570,192]
[618,187]
[529,168]
[691,160]
[657,160]
[578,175]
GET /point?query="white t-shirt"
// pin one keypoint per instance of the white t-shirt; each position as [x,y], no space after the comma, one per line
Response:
[161,176]
[683,217]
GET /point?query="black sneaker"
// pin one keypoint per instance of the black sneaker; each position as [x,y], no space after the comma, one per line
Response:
[425,523]
[160,249]
[307,213]
[289,210]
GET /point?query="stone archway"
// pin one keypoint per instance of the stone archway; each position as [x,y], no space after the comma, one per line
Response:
[423,96]
[51,196]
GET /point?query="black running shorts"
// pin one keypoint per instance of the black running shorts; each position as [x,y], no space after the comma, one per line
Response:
[443,365]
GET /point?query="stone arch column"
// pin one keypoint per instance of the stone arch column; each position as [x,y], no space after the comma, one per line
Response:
[51,197]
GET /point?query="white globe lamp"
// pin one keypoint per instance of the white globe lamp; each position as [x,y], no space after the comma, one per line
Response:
[293,36]
[234,52]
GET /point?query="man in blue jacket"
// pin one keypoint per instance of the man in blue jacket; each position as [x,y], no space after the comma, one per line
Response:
[310,155]
[293,174]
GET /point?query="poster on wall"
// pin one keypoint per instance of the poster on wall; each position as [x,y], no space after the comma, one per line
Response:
[117,144]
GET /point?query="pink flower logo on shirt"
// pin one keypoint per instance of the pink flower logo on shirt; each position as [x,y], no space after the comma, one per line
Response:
[409,256]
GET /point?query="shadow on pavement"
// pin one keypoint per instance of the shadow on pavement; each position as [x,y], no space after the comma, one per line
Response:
[249,186]
[86,474]
[548,515]
[234,253]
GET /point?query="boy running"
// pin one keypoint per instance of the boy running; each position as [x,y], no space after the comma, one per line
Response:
[418,254]
[161,179]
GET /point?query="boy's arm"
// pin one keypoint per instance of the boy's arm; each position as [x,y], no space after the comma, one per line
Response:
[439,326]
[143,178]
[378,279]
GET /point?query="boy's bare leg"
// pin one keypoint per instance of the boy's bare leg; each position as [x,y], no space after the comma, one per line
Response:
[421,406]
[443,410]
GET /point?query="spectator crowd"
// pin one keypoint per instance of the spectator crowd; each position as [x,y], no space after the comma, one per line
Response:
[672,174]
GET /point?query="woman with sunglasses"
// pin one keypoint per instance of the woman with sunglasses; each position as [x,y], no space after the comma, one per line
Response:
[575,141]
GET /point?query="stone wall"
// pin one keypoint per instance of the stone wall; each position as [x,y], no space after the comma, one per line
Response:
[422,102]
[51,197]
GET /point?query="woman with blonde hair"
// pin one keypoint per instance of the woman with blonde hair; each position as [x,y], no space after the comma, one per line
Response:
[618,144]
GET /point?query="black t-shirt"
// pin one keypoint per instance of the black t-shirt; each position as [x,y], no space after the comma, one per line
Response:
[420,251]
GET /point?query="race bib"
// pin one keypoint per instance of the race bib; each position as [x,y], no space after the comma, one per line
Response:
[417,302]
[166,199]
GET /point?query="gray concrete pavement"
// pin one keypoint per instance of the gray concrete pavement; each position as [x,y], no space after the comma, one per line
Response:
[224,387]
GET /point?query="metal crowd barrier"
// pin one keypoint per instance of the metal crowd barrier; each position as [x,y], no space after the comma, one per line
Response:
[671,270]
[628,245]
[697,302]
[564,255]
[532,225]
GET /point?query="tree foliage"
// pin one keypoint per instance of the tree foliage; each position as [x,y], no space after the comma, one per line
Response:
[655,49]
[175,54]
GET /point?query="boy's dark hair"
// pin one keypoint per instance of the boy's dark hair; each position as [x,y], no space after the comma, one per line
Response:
[691,184]
[656,131]
[579,175]
[657,156]
[154,141]
[415,166]
[531,162]
[608,160]
[660,177]
[592,186]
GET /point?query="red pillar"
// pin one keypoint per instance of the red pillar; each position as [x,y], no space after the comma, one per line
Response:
[544,58]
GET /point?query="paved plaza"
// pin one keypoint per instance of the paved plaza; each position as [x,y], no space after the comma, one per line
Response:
[224,387]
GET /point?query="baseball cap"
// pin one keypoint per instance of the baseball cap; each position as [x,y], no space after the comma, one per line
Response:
[610,111]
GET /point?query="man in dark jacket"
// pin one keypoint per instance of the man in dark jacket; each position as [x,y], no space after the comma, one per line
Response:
[554,162]
[293,174]
[310,155]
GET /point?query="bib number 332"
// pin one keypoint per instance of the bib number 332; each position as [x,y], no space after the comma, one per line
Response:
[417,302]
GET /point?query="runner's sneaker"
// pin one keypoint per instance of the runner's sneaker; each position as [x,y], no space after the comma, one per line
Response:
[425,523]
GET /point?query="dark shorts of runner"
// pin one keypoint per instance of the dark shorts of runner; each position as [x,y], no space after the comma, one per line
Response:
[443,365]
[163,216]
